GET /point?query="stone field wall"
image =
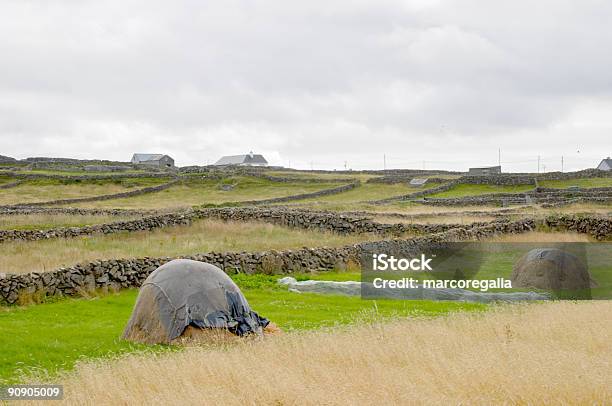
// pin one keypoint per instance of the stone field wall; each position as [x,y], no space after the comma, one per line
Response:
[126,273]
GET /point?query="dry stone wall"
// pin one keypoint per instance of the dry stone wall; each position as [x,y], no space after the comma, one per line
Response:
[142,224]
[8,211]
[126,273]
[138,192]
[10,184]
[114,176]
[320,193]
[321,221]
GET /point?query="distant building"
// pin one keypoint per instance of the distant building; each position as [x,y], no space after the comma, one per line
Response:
[249,159]
[605,165]
[488,170]
[416,182]
[157,160]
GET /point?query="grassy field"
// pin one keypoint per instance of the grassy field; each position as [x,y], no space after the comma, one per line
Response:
[314,175]
[463,190]
[438,218]
[202,191]
[584,183]
[202,236]
[366,192]
[47,221]
[80,172]
[539,354]
[53,336]
[41,190]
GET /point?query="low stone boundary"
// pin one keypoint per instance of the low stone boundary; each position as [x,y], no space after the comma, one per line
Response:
[390,180]
[114,176]
[302,196]
[567,202]
[19,211]
[413,216]
[321,221]
[324,221]
[595,226]
[10,184]
[414,195]
[138,192]
[287,179]
[530,197]
[125,273]
[142,224]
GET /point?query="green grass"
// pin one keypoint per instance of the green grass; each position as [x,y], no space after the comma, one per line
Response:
[195,192]
[49,221]
[40,190]
[584,183]
[53,336]
[314,175]
[488,261]
[77,172]
[368,191]
[463,190]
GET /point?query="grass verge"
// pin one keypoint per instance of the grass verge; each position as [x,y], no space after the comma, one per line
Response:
[50,337]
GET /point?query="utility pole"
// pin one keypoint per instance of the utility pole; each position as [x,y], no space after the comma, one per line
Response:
[384,162]
[538,164]
[345,164]
[561,163]
[499,156]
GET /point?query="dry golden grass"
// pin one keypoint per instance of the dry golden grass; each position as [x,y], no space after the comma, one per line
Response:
[553,353]
[540,236]
[46,221]
[438,219]
[36,192]
[202,236]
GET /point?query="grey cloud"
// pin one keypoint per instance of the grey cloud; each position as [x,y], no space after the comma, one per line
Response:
[439,81]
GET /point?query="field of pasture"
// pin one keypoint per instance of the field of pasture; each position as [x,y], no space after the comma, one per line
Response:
[352,342]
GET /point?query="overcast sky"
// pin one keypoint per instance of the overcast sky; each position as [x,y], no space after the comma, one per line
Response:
[440,84]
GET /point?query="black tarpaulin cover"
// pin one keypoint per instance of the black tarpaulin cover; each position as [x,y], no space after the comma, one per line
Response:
[183,292]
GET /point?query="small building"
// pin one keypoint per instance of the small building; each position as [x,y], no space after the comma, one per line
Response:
[249,159]
[418,182]
[484,171]
[605,165]
[157,160]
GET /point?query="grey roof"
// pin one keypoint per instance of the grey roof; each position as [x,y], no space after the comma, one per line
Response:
[148,157]
[242,159]
[608,162]
[487,167]
[418,181]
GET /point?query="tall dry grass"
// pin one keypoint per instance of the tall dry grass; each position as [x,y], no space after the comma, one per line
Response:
[541,236]
[202,236]
[435,219]
[44,221]
[554,353]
